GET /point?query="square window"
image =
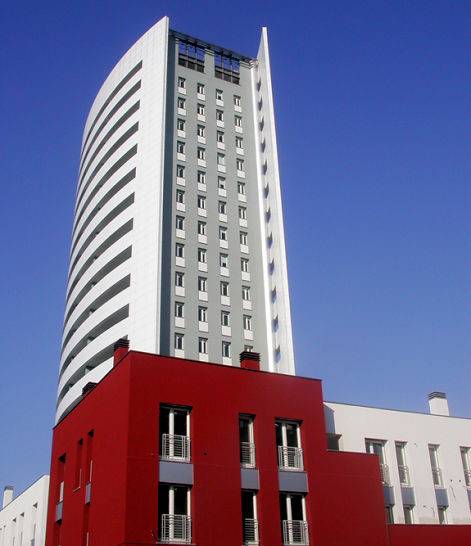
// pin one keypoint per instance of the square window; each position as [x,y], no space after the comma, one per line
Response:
[180,196]
[221,159]
[181,124]
[222,207]
[200,88]
[179,342]
[203,314]
[180,171]
[200,130]
[246,293]
[237,100]
[219,95]
[226,349]
[201,228]
[203,345]
[237,121]
[243,238]
[244,265]
[224,288]
[219,115]
[179,309]
[181,103]
[239,142]
[242,213]
[202,255]
[221,183]
[179,250]
[201,200]
[180,222]
[225,318]
[180,147]
[240,164]
[181,82]
[222,233]
[220,136]
[201,153]
[179,279]
[200,109]
[241,188]
[201,177]
[223,260]
[247,322]
[202,284]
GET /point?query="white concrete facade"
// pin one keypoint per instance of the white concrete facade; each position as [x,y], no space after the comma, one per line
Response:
[23,519]
[439,495]
[122,263]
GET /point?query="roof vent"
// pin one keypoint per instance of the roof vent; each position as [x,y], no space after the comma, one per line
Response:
[438,403]
[7,495]
[121,349]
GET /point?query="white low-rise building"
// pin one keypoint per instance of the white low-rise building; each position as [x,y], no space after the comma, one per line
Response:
[425,458]
[23,519]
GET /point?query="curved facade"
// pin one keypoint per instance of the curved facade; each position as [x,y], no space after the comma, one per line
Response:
[177,240]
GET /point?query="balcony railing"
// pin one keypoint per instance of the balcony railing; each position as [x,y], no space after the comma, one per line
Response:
[384,470]
[247,454]
[290,458]
[175,528]
[404,477]
[467,477]
[295,532]
[175,447]
[437,477]
[250,531]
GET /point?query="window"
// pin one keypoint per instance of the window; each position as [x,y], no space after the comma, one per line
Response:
[237,100]
[225,318]
[241,188]
[200,88]
[442,516]
[191,56]
[180,222]
[249,518]
[181,82]
[436,470]
[201,177]
[179,250]
[201,153]
[220,136]
[226,349]
[237,121]
[403,469]
[203,345]
[244,265]
[376,447]
[408,514]
[201,200]
[221,159]
[240,164]
[465,459]
[180,171]
[221,183]
[181,124]
[202,284]
[247,322]
[288,440]
[246,438]
[174,502]
[293,518]
[219,95]
[179,309]
[389,514]
[333,441]
[219,115]
[174,427]
[200,130]
[222,233]
[223,260]
[179,342]
[181,103]
[202,255]
[243,238]
[201,228]
[180,196]
[239,142]
[222,207]
[200,109]
[203,314]
[224,288]
[227,68]
[246,293]
[179,279]
[242,213]
[180,147]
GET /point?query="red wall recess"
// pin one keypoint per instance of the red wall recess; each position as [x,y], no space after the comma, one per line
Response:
[345,504]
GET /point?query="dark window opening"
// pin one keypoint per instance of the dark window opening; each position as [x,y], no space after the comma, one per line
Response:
[191,56]
[227,68]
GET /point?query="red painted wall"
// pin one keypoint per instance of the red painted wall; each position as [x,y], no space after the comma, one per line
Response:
[345,500]
[430,535]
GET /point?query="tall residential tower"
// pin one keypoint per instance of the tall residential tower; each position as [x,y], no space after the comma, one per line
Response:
[178,240]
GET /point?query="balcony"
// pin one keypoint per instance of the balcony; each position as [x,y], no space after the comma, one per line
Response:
[404,477]
[437,477]
[176,529]
[290,458]
[384,471]
[295,532]
[247,454]
[175,447]
[250,532]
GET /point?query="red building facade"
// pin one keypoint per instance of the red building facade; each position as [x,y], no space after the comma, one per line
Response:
[165,450]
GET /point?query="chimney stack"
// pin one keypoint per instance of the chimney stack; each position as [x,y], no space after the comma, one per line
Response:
[438,403]
[249,360]
[121,349]
[7,495]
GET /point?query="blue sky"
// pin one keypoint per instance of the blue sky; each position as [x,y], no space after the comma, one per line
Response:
[372,105]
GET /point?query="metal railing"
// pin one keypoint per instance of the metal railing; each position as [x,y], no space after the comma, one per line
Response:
[250,531]
[437,477]
[384,470]
[247,454]
[467,477]
[290,458]
[175,447]
[404,477]
[175,528]
[295,532]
